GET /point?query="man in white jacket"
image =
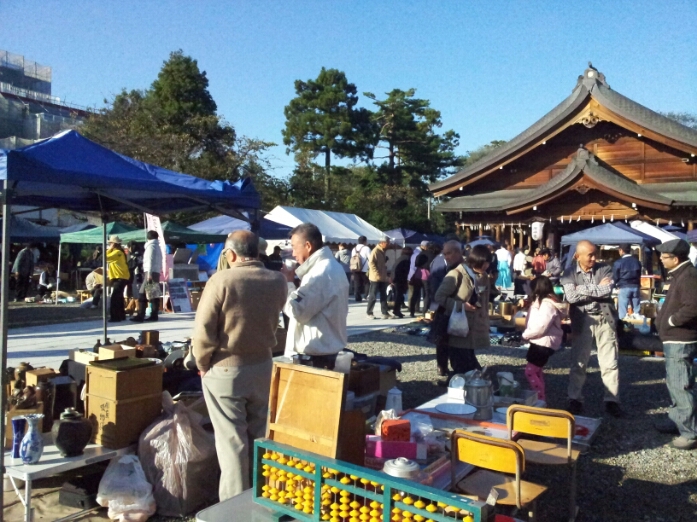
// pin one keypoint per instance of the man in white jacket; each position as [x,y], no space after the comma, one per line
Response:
[319,306]
[152,266]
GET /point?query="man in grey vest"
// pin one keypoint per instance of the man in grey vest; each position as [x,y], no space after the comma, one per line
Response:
[588,287]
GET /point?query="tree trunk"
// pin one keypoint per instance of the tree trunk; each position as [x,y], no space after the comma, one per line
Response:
[328,168]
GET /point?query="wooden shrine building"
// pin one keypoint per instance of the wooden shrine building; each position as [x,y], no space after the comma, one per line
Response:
[596,157]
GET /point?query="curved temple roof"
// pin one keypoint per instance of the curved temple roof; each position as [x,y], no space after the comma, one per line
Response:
[591,85]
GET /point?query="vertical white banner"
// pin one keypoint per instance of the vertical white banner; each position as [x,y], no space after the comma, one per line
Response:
[153,223]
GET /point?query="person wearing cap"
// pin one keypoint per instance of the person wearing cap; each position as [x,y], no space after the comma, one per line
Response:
[377,275]
[118,274]
[588,287]
[677,328]
[626,273]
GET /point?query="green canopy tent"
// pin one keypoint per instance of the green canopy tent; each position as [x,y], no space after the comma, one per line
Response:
[175,233]
[92,236]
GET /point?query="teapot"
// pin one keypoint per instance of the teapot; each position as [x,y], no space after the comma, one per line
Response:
[479,393]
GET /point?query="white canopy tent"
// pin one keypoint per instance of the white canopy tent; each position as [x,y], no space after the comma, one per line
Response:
[653,231]
[336,227]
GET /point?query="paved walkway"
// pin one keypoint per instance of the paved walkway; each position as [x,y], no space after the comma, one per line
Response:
[48,345]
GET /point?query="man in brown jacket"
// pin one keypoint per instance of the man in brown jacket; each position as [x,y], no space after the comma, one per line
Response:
[377,275]
[234,332]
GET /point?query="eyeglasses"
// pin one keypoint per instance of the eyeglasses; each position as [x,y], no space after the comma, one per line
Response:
[667,256]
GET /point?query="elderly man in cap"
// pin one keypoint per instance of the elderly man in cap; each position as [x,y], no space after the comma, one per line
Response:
[588,287]
[677,327]
[377,275]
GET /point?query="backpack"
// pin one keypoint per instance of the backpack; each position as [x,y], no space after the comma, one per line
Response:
[356,263]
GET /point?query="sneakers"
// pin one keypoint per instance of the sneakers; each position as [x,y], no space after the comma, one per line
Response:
[683,443]
[575,407]
[613,409]
[387,316]
[667,426]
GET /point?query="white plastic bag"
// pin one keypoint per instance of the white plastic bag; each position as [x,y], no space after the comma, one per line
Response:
[458,324]
[125,491]
[180,460]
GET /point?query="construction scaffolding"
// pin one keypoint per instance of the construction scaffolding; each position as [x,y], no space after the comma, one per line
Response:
[24,74]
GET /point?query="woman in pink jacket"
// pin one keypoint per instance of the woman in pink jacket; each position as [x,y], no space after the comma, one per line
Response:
[543,330]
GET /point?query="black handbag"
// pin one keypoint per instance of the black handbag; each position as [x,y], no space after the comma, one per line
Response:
[438,334]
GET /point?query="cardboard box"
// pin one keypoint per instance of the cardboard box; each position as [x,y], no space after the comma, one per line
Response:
[18,413]
[388,379]
[119,423]
[115,351]
[33,377]
[83,356]
[122,385]
[145,350]
[151,337]
[364,379]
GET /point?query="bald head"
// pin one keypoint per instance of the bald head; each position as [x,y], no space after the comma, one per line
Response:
[452,252]
[243,243]
[585,255]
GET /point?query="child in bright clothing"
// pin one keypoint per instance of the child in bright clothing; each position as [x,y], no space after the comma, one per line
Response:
[543,330]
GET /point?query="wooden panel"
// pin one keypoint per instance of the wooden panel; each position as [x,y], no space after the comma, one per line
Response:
[633,171]
[305,407]
[623,149]
[658,172]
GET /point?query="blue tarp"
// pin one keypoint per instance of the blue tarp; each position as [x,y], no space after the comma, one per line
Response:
[225,224]
[610,234]
[69,171]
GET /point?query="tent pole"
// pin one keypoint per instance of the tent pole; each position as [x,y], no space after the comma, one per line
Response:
[58,275]
[104,278]
[4,303]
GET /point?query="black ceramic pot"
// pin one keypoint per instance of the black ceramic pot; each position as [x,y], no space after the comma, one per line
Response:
[71,433]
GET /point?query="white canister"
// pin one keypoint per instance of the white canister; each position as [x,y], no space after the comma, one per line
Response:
[394,400]
[343,362]
[402,468]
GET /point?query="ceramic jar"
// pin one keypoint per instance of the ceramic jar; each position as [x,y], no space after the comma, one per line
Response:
[71,433]
[32,444]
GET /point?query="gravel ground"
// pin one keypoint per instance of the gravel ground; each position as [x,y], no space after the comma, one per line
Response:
[629,474]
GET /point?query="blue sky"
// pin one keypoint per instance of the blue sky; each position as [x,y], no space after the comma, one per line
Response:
[491,67]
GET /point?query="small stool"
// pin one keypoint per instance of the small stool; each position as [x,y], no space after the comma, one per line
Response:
[84,295]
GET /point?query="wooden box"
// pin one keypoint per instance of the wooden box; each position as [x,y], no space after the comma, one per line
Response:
[364,378]
[305,407]
[34,377]
[119,423]
[83,356]
[115,351]
[39,408]
[151,337]
[126,384]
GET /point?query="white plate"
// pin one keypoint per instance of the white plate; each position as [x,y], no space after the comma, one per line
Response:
[455,409]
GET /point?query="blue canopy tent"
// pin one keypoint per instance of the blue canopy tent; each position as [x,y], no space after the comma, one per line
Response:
[23,231]
[607,234]
[71,172]
[406,236]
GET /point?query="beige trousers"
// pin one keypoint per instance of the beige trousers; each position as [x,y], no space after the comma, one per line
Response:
[594,331]
[237,398]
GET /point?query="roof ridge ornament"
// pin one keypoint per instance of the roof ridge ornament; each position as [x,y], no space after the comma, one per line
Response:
[591,77]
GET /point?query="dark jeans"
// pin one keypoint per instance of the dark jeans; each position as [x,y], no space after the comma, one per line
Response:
[442,357]
[22,287]
[399,291]
[680,380]
[463,360]
[43,290]
[359,281]
[417,287]
[96,295]
[376,287]
[143,299]
[118,305]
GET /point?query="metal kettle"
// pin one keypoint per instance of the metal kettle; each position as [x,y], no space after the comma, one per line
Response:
[480,394]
